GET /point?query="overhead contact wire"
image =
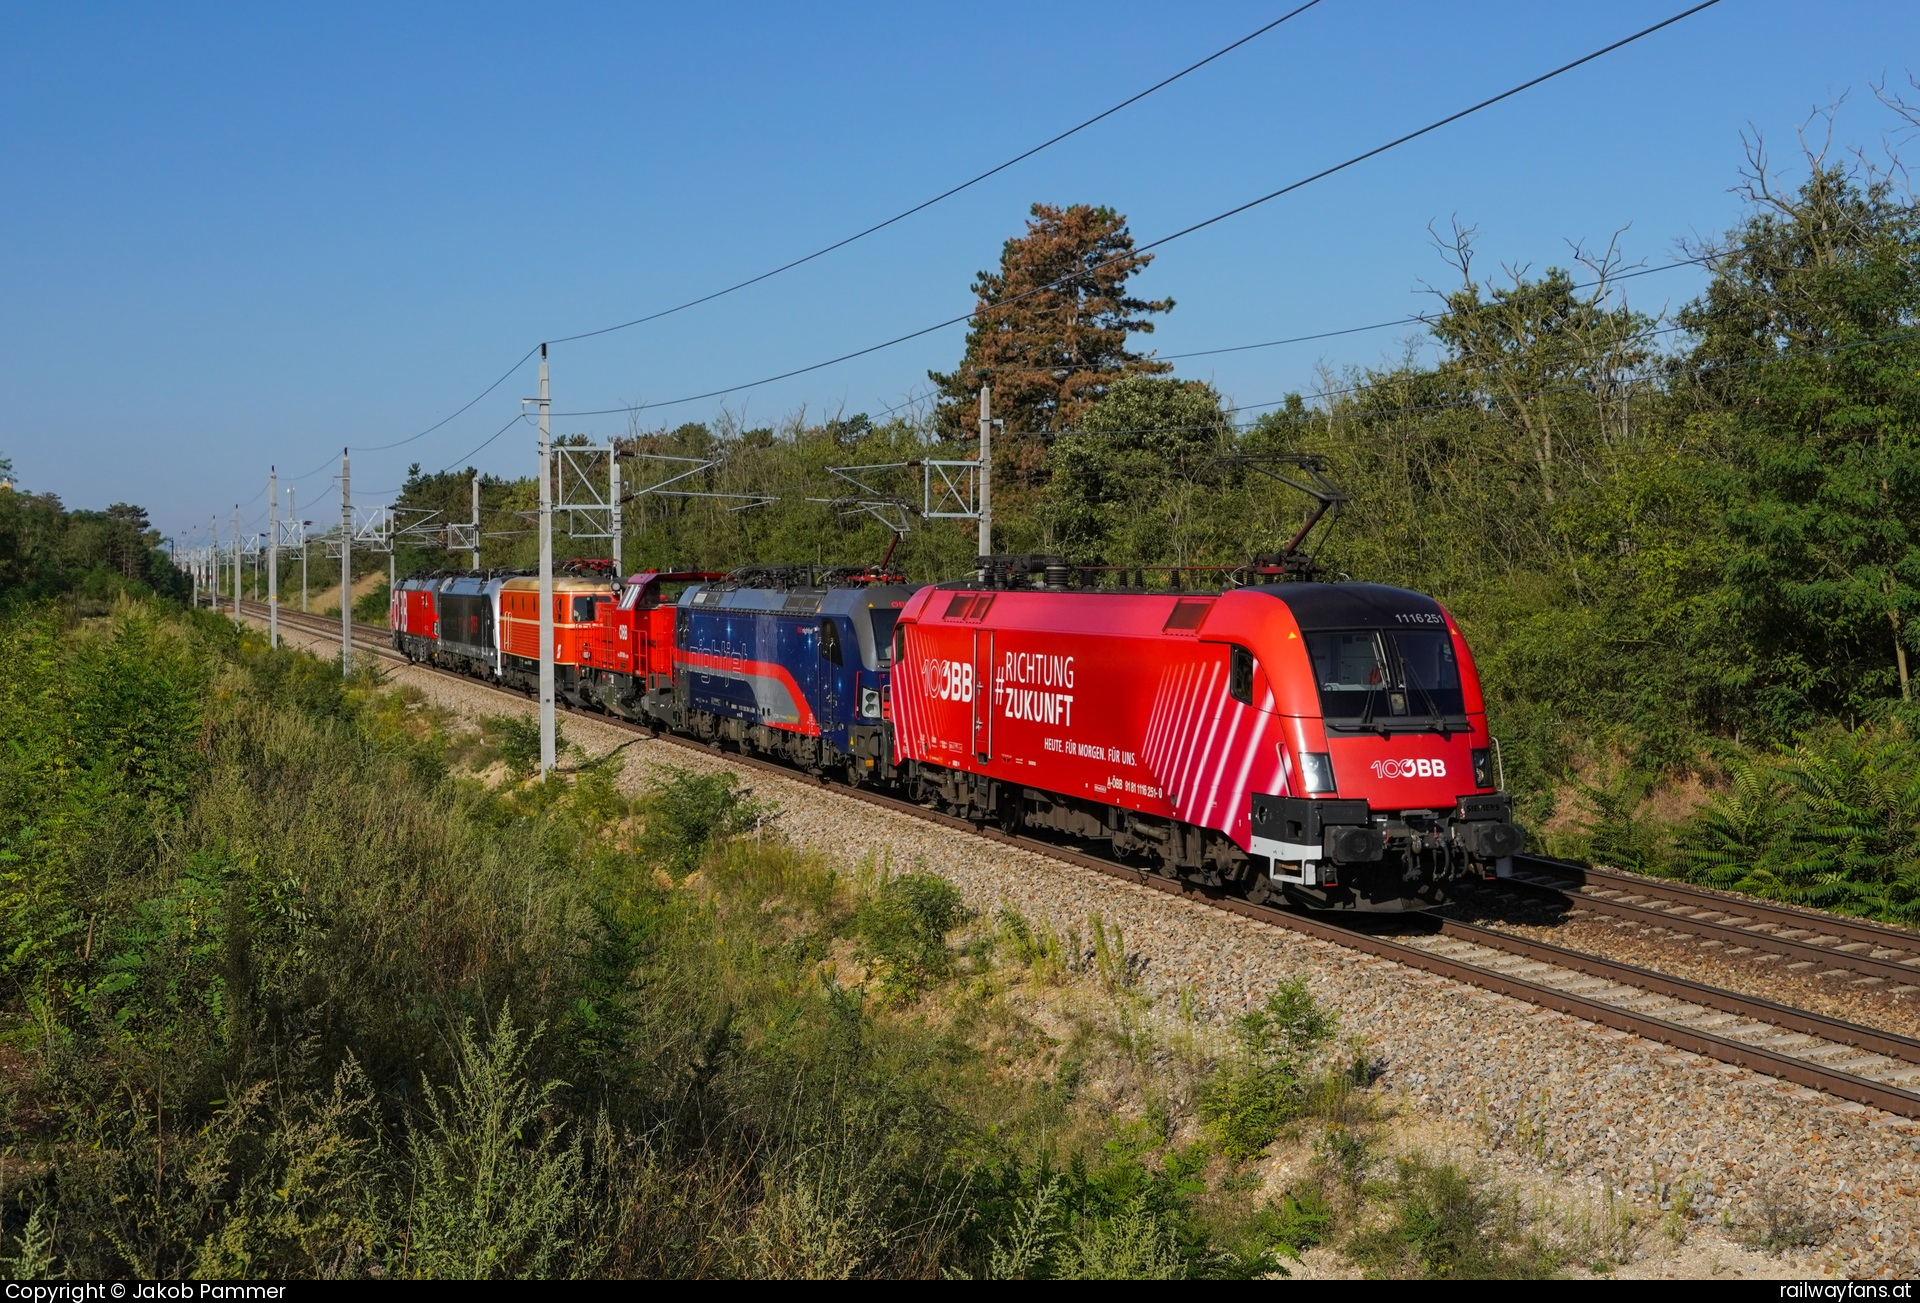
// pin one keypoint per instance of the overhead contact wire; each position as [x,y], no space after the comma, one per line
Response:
[945,194]
[382,447]
[1235,211]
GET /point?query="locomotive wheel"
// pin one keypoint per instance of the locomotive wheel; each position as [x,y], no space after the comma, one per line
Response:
[1009,815]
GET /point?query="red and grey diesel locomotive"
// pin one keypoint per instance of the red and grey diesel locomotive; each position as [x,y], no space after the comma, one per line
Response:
[1322,742]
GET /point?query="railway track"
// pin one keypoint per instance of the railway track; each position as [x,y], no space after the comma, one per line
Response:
[1737,926]
[1844,1059]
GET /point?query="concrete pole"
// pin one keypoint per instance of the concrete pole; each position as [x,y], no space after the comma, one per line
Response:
[546,574]
[613,496]
[986,470]
[236,561]
[476,520]
[193,567]
[213,564]
[273,556]
[346,566]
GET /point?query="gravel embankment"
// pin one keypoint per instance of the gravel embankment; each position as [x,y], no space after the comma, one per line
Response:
[1556,1103]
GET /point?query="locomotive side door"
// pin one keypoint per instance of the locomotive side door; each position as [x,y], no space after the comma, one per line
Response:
[983,695]
[832,662]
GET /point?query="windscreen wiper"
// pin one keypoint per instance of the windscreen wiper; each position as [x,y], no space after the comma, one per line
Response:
[1366,716]
[1434,717]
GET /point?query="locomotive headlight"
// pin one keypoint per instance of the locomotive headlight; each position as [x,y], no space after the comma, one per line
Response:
[1482,768]
[1316,773]
[870,702]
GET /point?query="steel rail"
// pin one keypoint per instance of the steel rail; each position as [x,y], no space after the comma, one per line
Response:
[1726,902]
[1801,1072]
[1893,955]
[1790,1017]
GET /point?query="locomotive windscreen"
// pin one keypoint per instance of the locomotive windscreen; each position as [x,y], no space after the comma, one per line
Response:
[1387,678]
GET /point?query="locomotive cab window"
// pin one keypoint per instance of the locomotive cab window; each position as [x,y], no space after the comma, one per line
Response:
[830,641]
[1388,679]
[583,610]
[884,619]
[1240,676]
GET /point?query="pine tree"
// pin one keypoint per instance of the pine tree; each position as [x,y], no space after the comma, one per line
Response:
[1051,334]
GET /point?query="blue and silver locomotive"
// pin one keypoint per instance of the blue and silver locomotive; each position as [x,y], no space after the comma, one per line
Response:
[793,662]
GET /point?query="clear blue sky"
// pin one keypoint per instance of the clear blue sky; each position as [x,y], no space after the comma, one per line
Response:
[239,235]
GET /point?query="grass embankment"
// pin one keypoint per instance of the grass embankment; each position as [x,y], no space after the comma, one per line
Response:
[289,991]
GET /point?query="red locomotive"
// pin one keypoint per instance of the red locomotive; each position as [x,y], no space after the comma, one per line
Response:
[629,654]
[1325,741]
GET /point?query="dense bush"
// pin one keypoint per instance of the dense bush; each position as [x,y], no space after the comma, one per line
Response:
[1443,1223]
[298,1002]
[92,556]
[1832,821]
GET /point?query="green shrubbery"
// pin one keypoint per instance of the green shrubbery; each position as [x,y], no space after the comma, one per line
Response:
[1831,821]
[1250,1099]
[288,996]
[902,927]
[372,606]
[293,1000]
[92,557]
[689,812]
[1441,1222]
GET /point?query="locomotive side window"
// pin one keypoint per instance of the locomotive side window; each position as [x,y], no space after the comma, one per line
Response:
[1240,676]
[583,610]
[884,619]
[1187,614]
[969,606]
[830,641]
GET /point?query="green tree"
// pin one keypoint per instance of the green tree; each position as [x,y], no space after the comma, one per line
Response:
[1807,340]
[1131,481]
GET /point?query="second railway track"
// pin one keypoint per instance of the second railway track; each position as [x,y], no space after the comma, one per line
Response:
[1845,1059]
[1740,925]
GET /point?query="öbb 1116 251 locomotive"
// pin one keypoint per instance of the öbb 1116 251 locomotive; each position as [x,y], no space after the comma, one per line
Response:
[1325,743]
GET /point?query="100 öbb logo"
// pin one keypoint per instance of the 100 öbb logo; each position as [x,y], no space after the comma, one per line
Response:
[1409,769]
[947,680]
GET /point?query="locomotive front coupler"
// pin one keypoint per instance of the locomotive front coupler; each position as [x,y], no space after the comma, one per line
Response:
[1415,830]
